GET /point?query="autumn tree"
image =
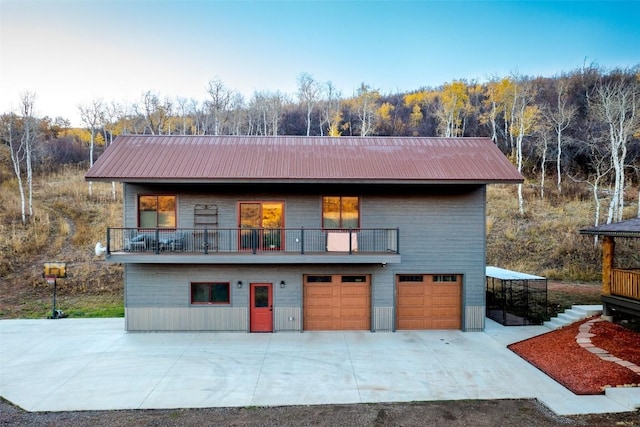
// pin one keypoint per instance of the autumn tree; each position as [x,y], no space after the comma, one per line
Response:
[93,117]
[498,107]
[520,118]
[331,114]
[27,101]
[559,117]
[309,92]
[615,105]
[365,105]
[421,105]
[452,108]
[266,109]
[218,105]
[155,112]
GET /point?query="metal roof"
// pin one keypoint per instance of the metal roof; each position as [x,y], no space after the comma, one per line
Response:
[503,274]
[149,158]
[628,228]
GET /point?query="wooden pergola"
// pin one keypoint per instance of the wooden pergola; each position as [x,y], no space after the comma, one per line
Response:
[620,286]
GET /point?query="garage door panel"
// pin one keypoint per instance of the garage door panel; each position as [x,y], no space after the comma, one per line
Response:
[448,312]
[453,300]
[337,305]
[445,324]
[415,312]
[353,313]
[428,304]
[446,290]
[319,325]
[413,291]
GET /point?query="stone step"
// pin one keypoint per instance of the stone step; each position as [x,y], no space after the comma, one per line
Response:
[555,323]
[587,310]
[572,315]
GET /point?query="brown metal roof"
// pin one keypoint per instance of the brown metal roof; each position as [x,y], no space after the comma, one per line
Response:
[148,158]
[628,228]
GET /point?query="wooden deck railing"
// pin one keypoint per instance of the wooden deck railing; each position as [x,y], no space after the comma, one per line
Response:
[626,283]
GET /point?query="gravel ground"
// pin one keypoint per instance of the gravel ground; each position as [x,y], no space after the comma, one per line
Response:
[478,413]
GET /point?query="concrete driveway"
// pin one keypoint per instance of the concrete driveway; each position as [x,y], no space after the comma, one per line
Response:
[93,364]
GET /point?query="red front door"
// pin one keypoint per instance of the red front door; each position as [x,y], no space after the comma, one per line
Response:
[261,316]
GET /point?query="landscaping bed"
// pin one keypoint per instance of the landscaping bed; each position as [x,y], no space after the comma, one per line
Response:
[559,355]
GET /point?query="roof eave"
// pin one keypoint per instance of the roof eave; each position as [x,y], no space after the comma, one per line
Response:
[590,232]
[302,181]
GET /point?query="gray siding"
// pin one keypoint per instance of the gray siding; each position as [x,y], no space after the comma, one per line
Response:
[441,232]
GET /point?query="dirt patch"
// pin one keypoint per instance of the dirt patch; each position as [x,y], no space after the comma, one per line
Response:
[461,413]
[559,355]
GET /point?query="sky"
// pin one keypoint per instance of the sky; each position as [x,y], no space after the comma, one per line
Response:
[71,52]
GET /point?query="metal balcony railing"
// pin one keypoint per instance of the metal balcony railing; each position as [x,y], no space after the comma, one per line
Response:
[253,240]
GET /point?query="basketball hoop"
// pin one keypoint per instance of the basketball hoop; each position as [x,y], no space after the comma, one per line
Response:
[51,279]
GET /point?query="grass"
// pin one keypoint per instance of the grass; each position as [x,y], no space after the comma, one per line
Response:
[67,223]
[546,240]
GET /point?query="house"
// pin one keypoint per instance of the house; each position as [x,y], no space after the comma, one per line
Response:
[620,284]
[288,233]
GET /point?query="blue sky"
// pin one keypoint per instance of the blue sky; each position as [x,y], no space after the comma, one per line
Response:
[69,52]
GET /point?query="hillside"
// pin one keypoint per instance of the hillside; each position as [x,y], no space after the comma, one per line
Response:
[67,223]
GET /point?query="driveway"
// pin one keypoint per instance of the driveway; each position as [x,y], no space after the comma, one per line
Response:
[93,364]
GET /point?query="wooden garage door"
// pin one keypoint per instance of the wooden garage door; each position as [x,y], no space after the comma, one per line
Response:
[337,302]
[428,301]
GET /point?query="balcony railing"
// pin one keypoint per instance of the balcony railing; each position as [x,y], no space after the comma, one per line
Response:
[626,283]
[252,240]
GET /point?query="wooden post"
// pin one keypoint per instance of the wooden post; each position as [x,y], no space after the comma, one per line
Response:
[608,255]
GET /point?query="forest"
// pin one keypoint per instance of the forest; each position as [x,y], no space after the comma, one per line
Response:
[582,125]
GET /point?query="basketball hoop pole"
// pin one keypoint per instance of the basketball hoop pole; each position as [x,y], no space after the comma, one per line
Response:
[53,271]
[52,281]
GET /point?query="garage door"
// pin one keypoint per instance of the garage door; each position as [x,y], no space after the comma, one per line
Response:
[428,301]
[337,302]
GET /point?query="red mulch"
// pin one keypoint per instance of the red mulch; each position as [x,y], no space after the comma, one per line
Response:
[558,355]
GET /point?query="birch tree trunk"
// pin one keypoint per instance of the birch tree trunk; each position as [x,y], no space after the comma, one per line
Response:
[17,155]
[28,136]
[616,106]
[92,115]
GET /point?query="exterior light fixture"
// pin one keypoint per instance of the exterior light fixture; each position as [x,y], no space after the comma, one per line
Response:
[239,284]
[282,284]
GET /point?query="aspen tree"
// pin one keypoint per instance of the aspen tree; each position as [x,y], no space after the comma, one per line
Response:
[308,93]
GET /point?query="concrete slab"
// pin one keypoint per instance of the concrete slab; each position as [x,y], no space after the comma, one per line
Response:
[93,364]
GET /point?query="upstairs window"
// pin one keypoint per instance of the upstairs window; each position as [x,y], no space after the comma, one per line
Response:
[340,212]
[157,211]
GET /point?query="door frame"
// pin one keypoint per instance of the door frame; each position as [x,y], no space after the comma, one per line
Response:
[265,313]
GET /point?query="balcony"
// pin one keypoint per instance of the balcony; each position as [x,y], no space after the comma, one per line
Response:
[253,246]
[626,283]
[625,291]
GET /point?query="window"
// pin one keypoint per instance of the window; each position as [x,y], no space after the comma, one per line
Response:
[340,212]
[411,278]
[157,211]
[262,225]
[354,279]
[318,279]
[210,293]
[445,278]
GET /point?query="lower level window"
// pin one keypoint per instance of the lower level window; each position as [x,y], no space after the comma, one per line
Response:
[210,293]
